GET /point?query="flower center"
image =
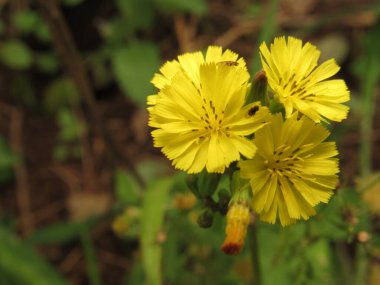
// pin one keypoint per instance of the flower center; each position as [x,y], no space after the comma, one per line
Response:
[212,119]
[295,88]
[284,161]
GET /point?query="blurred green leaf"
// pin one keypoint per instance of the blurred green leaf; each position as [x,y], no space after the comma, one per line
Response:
[127,189]
[134,67]
[97,62]
[42,32]
[155,199]
[70,131]
[61,232]
[319,258]
[254,10]
[329,222]
[60,94]
[22,264]
[2,27]
[151,170]
[47,62]
[72,3]
[136,275]
[139,14]
[22,89]
[90,258]
[367,68]
[7,157]
[7,160]
[270,240]
[16,54]
[70,127]
[26,20]
[198,7]
[333,46]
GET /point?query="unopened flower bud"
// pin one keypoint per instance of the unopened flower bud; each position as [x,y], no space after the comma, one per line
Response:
[224,199]
[238,218]
[205,219]
[259,89]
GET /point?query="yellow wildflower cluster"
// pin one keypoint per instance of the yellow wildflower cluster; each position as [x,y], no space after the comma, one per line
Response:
[202,119]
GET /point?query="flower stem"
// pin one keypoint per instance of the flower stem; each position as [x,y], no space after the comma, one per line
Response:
[253,244]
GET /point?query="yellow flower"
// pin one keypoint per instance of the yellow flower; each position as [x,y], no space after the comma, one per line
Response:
[238,218]
[299,84]
[203,122]
[190,63]
[293,169]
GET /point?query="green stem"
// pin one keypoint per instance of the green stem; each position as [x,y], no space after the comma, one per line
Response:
[254,248]
[90,258]
[361,265]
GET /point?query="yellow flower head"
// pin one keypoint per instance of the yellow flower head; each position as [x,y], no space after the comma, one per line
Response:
[293,169]
[201,121]
[300,84]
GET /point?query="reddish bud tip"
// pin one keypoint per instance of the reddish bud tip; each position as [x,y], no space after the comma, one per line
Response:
[231,248]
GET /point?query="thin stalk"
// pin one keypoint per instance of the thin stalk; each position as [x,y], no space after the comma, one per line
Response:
[367,124]
[361,265]
[267,31]
[254,249]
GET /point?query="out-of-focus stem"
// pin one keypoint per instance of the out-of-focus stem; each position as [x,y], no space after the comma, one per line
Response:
[254,249]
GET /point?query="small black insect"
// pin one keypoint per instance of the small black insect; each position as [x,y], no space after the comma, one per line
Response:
[229,63]
[253,110]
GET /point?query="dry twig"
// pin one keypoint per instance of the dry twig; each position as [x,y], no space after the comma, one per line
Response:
[23,193]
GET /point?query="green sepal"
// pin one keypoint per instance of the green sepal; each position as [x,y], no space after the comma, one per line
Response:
[259,89]
[203,184]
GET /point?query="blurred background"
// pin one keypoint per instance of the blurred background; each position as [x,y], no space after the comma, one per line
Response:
[86,199]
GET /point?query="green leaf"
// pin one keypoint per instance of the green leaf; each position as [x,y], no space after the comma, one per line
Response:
[47,62]
[319,257]
[368,69]
[127,189]
[72,3]
[139,14]
[61,232]
[22,90]
[198,7]
[70,127]
[151,170]
[22,265]
[7,160]
[2,27]
[134,67]
[155,199]
[16,54]
[42,32]
[136,275]
[26,20]
[7,157]
[91,259]
[60,94]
